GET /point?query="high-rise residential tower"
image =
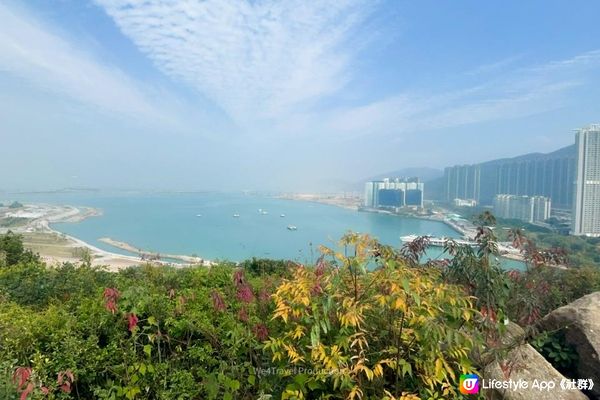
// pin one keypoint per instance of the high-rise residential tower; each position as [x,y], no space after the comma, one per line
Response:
[394,193]
[525,208]
[549,175]
[586,197]
[462,182]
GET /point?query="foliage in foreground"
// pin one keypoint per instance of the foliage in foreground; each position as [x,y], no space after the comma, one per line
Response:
[336,330]
[367,322]
[374,334]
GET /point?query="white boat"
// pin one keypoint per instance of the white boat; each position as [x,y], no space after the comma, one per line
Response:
[292,227]
[236,215]
[408,238]
[282,215]
[439,242]
[264,212]
[198,215]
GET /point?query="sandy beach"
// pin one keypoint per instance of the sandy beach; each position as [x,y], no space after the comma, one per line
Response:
[32,221]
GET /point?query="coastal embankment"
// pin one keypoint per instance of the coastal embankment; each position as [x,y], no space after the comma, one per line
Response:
[154,256]
[33,222]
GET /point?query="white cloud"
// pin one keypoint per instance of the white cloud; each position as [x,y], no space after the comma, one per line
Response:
[256,60]
[517,93]
[45,60]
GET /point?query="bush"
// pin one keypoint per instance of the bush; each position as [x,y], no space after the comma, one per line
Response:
[361,334]
[263,266]
[371,322]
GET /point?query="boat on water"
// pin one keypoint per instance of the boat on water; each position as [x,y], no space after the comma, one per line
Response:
[282,215]
[264,212]
[236,215]
[292,228]
[198,215]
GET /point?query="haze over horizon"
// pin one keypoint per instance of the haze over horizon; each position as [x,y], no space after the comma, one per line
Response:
[291,95]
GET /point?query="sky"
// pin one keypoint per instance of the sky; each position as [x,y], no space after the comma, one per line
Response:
[288,95]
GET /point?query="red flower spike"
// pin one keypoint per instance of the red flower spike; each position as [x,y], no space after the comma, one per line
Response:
[239,279]
[320,270]
[261,332]
[132,321]
[218,303]
[28,390]
[514,275]
[245,294]
[111,295]
[66,387]
[243,315]
[264,296]
[21,374]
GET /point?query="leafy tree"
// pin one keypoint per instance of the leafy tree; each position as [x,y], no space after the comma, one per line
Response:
[263,266]
[478,270]
[12,247]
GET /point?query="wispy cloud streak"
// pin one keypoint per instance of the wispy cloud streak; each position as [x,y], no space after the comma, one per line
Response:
[516,93]
[30,51]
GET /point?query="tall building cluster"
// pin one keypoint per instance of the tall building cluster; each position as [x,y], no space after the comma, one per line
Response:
[394,193]
[525,208]
[525,187]
[463,182]
[549,175]
[586,204]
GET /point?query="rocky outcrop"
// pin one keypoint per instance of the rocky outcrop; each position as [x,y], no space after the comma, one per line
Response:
[525,364]
[581,323]
[522,365]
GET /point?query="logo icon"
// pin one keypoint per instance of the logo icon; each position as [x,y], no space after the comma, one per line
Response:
[469,384]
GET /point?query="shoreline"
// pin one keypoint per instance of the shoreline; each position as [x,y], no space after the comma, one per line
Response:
[349,202]
[33,221]
[354,203]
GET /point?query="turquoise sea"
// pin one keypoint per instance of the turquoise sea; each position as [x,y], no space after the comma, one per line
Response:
[168,223]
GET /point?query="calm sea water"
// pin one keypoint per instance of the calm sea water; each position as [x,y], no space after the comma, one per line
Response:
[168,223]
